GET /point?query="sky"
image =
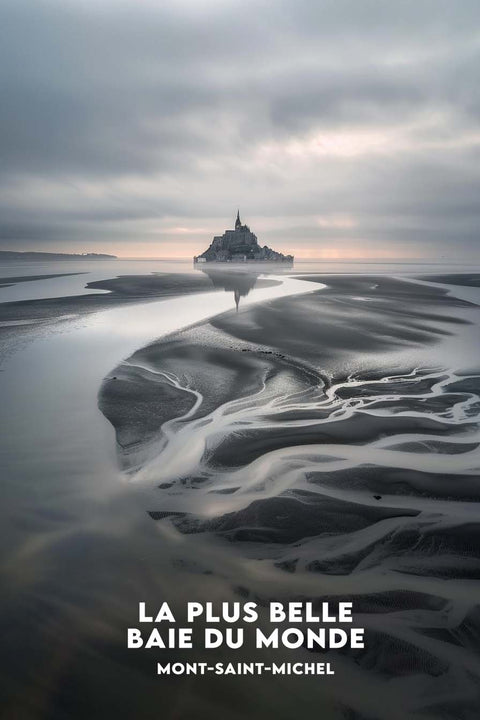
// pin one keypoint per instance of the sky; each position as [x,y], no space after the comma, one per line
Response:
[340,128]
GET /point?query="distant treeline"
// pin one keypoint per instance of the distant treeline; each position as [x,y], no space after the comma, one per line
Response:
[11,255]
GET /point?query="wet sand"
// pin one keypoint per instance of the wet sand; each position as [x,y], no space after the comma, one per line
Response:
[22,320]
[333,444]
[122,290]
[323,445]
[14,279]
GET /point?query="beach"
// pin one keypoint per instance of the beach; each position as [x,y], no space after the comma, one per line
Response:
[274,438]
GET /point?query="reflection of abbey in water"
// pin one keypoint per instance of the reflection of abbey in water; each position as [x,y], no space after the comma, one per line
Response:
[239,283]
[240,245]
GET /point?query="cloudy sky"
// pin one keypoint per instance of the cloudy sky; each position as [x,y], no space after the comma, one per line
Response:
[341,128]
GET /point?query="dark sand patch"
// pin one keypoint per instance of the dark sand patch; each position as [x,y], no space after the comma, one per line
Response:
[292,344]
[127,289]
[464,280]
[137,399]
[289,519]
[351,315]
[124,289]
[8,281]
[17,317]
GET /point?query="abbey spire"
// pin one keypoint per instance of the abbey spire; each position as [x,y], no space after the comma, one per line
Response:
[238,222]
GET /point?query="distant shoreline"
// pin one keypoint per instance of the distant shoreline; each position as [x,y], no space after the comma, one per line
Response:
[13,255]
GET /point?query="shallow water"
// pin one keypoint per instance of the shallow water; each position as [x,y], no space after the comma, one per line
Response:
[386,518]
[82,272]
[338,472]
[95,270]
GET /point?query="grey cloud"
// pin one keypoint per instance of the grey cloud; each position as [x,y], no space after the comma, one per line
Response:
[98,93]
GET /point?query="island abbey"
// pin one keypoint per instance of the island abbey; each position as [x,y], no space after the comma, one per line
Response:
[240,245]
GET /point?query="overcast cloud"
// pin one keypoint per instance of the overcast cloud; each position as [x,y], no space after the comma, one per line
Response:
[341,128]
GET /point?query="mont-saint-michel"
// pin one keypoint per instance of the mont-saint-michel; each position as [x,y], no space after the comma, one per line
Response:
[240,245]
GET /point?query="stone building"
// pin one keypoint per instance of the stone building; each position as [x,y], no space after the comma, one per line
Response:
[240,245]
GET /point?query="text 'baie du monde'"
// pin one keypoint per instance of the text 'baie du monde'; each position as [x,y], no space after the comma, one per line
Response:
[272,634]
